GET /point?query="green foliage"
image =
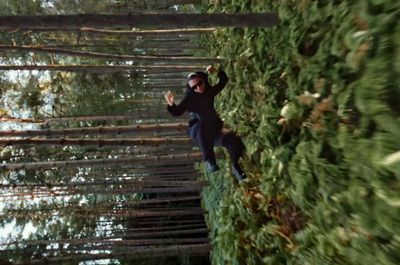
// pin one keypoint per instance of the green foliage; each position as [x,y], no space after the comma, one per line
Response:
[332,161]
[21,7]
[31,95]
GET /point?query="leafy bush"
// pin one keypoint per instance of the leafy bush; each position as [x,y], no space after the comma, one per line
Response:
[323,185]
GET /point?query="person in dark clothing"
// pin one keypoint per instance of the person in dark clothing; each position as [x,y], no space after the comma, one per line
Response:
[205,126]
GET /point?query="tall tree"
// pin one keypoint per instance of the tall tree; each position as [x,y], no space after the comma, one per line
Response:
[170,32]
[133,58]
[199,249]
[97,142]
[136,130]
[138,20]
[154,4]
[104,68]
[159,160]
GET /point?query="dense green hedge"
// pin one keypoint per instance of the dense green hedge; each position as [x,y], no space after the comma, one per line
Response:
[324,182]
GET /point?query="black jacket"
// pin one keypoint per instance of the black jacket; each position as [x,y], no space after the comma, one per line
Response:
[201,105]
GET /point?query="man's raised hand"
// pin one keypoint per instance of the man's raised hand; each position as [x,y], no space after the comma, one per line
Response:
[170,97]
[211,69]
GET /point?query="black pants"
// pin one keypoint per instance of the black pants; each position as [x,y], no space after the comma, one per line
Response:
[208,138]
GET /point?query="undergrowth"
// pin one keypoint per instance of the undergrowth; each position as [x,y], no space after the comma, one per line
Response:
[316,101]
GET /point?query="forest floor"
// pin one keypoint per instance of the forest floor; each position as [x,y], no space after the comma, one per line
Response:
[316,101]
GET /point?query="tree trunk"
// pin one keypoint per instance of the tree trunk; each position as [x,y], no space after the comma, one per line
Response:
[146,222]
[134,45]
[138,116]
[136,130]
[151,87]
[170,20]
[148,242]
[104,56]
[172,213]
[144,175]
[131,245]
[160,76]
[132,214]
[98,142]
[105,239]
[136,183]
[106,68]
[198,225]
[179,81]
[148,45]
[77,118]
[150,150]
[173,32]
[154,3]
[171,54]
[152,201]
[143,161]
[130,191]
[166,210]
[149,252]
[156,171]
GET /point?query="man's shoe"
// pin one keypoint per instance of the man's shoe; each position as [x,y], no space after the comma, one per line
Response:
[211,167]
[240,175]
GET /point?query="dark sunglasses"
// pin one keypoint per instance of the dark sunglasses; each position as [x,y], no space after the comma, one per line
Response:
[196,85]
